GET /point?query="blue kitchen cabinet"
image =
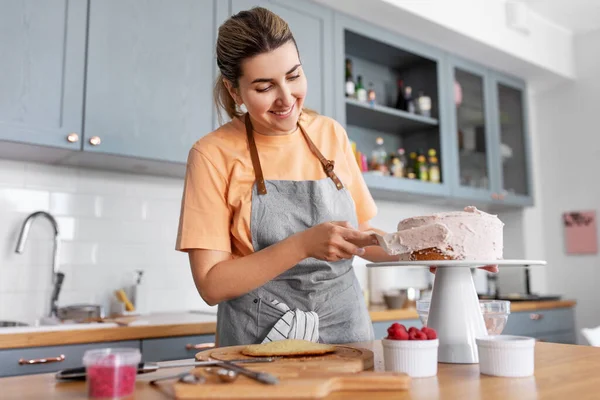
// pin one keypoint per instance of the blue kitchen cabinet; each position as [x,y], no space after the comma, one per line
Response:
[149,77]
[175,348]
[556,325]
[491,153]
[39,360]
[312,26]
[42,81]
[381,58]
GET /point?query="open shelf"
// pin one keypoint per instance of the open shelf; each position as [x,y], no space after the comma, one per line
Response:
[385,119]
[393,188]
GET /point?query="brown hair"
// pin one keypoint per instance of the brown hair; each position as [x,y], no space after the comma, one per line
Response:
[244,35]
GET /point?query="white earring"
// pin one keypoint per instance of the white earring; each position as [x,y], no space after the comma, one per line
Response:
[243,108]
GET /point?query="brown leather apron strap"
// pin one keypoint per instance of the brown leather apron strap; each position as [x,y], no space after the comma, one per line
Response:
[328,165]
[260,181]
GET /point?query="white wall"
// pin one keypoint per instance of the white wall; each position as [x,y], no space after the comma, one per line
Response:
[566,120]
[111,224]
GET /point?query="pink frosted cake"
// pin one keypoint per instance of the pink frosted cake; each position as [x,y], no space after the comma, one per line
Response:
[462,235]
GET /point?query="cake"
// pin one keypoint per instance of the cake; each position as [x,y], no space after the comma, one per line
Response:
[287,347]
[460,235]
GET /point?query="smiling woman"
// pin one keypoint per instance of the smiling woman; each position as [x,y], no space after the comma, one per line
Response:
[275,206]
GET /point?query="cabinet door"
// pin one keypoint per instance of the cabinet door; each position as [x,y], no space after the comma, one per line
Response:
[512,140]
[41,86]
[149,77]
[38,360]
[471,127]
[175,348]
[312,29]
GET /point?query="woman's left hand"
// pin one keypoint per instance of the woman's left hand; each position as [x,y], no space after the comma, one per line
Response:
[490,268]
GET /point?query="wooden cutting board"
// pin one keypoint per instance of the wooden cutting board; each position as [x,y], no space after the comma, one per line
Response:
[310,377]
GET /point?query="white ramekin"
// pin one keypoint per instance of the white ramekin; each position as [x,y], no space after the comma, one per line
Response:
[416,358]
[506,355]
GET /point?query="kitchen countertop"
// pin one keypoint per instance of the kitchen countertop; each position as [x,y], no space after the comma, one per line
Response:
[179,324]
[561,371]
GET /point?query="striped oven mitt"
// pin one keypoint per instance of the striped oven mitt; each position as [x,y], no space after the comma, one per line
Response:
[295,324]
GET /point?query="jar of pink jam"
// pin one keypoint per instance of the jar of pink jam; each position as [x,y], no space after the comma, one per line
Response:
[111,372]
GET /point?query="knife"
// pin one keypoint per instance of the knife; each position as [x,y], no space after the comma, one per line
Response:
[78,373]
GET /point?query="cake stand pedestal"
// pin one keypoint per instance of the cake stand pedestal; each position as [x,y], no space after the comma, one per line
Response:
[454,310]
[455,315]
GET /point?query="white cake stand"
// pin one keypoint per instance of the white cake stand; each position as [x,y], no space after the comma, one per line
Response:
[454,310]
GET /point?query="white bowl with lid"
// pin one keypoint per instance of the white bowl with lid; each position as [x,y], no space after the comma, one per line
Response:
[506,355]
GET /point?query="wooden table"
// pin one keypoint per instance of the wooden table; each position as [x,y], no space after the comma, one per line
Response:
[561,372]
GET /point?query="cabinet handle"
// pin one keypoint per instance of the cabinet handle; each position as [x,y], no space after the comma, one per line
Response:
[535,317]
[199,346]
[495,196]
[95,140]
[60,358]
[72,138]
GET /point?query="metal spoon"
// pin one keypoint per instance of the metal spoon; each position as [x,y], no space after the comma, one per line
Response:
[225,375]
[185,377]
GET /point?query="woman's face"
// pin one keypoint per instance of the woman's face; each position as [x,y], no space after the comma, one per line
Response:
[273,87]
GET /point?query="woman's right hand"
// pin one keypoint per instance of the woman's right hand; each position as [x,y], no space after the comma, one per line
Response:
[334,241]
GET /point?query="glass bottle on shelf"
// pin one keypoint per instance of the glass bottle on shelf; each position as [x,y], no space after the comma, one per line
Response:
[424,105]
[434,167]
[423,169]
[361,92]
[412,166]
[400,99]
[371,94]
[403,162]
[410,102]
[350,86]
[379,157]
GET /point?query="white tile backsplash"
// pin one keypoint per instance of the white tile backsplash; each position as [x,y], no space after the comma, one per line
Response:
[112,224]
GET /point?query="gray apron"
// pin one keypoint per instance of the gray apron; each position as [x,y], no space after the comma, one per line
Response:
[280,209]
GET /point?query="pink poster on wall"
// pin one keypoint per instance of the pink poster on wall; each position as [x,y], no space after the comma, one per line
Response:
[581,235]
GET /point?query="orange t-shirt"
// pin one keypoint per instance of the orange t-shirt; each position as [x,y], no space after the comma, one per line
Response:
[217,197]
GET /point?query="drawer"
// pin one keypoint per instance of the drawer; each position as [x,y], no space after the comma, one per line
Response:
[560,337]
[381,327]
[175,348]
[70,356]
[533,323]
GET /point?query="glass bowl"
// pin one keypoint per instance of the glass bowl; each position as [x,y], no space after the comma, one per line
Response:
[495,314]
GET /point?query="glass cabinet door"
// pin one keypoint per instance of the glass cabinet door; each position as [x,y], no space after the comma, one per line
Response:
[513,141]
[470,127]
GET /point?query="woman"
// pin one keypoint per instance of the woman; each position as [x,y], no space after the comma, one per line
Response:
[275,206]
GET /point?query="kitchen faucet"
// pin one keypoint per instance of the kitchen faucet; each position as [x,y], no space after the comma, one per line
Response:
[21,246]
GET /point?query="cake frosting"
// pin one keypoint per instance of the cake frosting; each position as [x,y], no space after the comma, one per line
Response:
[460,235]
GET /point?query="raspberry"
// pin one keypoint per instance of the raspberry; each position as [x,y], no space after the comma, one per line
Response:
[413,329]
[420,335]
[402,335]
[396,332]
[412,335]
[431,334]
